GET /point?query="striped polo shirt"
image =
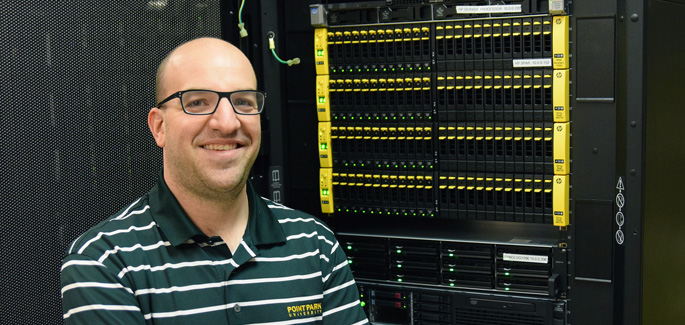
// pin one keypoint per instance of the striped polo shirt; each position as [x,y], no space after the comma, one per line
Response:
[150,264]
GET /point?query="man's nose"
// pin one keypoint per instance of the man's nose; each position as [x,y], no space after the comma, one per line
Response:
[224,118]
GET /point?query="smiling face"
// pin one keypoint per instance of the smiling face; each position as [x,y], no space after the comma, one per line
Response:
[206,156]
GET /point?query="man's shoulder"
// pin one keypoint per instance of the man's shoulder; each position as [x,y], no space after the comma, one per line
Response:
[289,217]
[120,229]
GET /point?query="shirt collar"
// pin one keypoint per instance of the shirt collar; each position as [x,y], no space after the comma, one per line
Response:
[262,226]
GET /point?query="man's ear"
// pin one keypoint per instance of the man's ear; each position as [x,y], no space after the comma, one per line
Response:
[155,120]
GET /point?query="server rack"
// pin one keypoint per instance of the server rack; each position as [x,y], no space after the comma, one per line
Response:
[433,143]
[457,114]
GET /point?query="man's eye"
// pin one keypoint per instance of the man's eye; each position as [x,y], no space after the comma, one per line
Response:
[243,103]
[196,102]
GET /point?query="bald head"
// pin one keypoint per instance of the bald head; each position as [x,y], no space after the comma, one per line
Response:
[197,55]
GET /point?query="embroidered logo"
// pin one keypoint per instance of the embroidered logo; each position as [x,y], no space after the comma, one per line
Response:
[304,310]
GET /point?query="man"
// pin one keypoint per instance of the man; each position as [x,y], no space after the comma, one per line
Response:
[202,246]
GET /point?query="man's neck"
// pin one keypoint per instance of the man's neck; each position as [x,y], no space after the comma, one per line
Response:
[224,216]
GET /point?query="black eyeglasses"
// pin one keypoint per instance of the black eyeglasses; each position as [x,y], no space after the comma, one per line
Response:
[205,102]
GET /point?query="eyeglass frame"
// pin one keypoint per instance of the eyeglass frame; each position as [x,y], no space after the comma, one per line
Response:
[222,94]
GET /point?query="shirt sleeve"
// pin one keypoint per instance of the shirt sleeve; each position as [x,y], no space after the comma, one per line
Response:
[341,303]
[92,293]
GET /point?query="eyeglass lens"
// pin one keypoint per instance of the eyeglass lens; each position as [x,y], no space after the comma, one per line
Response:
[205,102]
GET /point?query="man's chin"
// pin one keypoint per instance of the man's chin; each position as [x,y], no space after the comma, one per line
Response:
[226,186]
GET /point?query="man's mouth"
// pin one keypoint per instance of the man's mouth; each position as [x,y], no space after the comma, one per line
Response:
[222,147]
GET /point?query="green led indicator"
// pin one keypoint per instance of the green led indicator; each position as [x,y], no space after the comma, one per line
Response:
[506,289]
[399,265]
[349,246]
[399,280]
[375,70]
[451,284]
[349,262]
[399,251]
[451,254]
[363,304]
[324,146]
[322,100]
[506,273]
[319,52]
[451,270]
[324,192]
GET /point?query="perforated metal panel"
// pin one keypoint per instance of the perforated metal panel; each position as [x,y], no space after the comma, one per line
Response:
[77,83]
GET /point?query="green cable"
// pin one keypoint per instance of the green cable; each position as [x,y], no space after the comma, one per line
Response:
[241,25]
[272,46]
[240,12]
[277,58]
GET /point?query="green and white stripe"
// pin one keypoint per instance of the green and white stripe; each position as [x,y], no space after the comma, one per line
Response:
[149,263]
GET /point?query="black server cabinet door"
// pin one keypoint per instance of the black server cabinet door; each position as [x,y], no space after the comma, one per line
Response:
[77,84]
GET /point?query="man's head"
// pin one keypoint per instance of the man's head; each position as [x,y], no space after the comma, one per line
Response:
[206,156]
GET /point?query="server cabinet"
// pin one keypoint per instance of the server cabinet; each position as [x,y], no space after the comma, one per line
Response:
[494,132]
